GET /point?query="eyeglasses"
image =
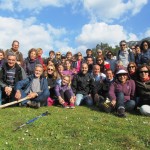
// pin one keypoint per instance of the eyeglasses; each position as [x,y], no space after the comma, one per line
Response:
[146,71]
[50,69]
[131,66]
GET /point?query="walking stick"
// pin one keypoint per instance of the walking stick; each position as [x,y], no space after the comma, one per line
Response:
[32,120]
[14,102]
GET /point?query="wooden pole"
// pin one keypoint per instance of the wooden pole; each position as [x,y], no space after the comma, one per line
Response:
[14,102]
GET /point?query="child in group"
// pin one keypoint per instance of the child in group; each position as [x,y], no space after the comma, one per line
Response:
[64,92]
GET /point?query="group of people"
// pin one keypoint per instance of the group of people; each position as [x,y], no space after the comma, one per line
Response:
[112,83]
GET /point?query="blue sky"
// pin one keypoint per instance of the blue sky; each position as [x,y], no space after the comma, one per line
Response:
[72,25]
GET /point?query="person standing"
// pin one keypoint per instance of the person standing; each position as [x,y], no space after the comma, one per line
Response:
[125,54]
[15,51]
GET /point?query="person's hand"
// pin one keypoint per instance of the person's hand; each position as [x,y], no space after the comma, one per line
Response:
[18,95]
[8,90]
[113,102]
[61,101]
[73,98]
[96,97]
[32,95]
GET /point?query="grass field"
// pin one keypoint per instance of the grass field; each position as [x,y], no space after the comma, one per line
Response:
[67,129]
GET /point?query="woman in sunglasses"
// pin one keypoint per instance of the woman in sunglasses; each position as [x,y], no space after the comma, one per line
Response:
[145,49]
[52,77]
[122,93]
[143,89]
[132,70]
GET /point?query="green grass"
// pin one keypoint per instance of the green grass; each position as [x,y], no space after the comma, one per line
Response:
[78,129]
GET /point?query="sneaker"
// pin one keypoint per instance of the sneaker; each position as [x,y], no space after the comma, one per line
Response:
[72,105]
[33,104]
[65,105]
[121,112]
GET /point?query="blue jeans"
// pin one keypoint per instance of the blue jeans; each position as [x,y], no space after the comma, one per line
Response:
[42,98]
[128,105]
[83,98]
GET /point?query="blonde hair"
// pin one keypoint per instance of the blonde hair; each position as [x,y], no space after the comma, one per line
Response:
[55,73]
[68,76]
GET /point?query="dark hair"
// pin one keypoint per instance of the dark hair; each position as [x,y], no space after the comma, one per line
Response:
[51,52]
[14,42]
[142,66]
[132,63]
[32,50]
[141,46]
[137,46]
[110,52]
[123,41]
[88,50]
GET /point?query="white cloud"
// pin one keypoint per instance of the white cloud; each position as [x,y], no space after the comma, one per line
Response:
[109,10]
[31,35]
[93,34]
[34,5]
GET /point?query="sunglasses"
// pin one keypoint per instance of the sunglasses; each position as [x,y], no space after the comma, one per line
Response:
[145,45]
[57,54]
[131,66]
[50,69]
[79,55]
[123,45]
[146,71]
[123,74]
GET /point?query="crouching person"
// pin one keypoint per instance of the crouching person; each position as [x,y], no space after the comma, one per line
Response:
[64,93]
[35,87]
[10,74]
[122,93]
[101,98]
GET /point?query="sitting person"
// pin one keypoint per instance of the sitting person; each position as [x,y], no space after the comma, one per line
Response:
[10,74]
[83,86]
[103,92]
[35,87]
[64,92]
[122,92]
[143,89]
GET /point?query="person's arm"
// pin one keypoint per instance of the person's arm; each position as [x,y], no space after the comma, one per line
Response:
[132,89]
[112,95]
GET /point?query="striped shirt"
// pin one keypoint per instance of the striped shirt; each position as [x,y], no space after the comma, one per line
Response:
[10,76]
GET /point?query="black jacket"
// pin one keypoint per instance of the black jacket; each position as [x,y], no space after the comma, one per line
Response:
[83,84]
[143,92]
[3,72]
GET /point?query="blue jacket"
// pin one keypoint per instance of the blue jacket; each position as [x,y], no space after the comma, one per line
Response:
[25,85]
